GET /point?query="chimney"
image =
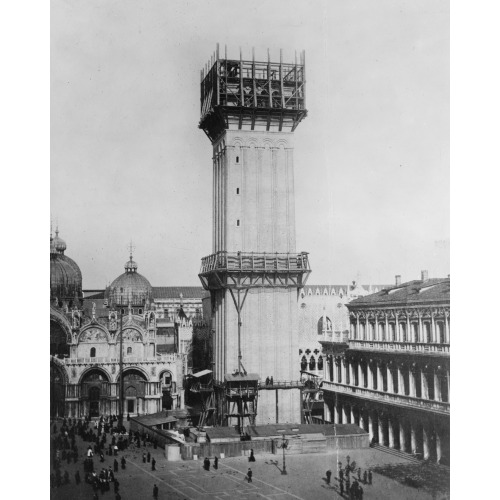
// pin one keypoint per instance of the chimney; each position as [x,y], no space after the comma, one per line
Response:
[425,275]
[398,279]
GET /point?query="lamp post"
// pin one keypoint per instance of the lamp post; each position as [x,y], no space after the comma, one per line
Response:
[284,446]
[120,413]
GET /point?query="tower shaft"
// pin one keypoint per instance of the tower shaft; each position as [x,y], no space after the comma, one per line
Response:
[249,112]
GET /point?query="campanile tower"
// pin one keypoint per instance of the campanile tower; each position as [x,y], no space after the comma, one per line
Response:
[249,111]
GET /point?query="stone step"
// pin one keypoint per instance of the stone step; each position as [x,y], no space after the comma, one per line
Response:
[397,453]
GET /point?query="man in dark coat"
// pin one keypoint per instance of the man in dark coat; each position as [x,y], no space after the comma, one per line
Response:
[149,457]
[328,476]
[116,485]
[123,462]
[249,475]
[251,458]
[341,487]
[369,477]
[153,464]
[155,491]
[216,463]
[115,465]
[144,458]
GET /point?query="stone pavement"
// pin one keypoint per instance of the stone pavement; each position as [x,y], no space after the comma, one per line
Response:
[188,480]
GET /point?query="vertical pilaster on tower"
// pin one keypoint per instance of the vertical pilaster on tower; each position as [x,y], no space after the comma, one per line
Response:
[249,111]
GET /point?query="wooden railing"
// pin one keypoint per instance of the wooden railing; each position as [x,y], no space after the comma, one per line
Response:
[255,262]
[398,399]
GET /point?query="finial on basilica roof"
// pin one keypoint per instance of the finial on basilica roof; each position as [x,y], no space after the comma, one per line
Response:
[130,265]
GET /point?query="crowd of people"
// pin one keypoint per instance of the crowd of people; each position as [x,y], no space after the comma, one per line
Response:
[105,437]
[351,486]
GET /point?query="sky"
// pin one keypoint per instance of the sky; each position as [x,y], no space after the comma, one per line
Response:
[372,162]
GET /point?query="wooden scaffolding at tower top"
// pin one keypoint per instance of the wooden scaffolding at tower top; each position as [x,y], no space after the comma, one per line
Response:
[271,95]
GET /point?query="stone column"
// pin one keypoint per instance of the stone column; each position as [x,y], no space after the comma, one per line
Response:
[380,380]
[362,422]
[446,328]
[401,381]
[327,414]
[360,375]
[343,368]
[402,437]
[413,431]
[336,413]
[420,330]
[409,334]
[352,378]
[433,328]
[448,382]
[425,388]
[370,426]
[387,331]
[381,430]
[413,386]
[390,385]
[353,419]
[396,328]
[391,432]
[370,374]
[439,452]
[425,431]
[437,386]
[344,414]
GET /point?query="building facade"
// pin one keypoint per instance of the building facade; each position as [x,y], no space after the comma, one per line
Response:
[96,341]
[391,374]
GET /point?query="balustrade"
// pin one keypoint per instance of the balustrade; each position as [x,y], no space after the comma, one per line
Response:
[399,399]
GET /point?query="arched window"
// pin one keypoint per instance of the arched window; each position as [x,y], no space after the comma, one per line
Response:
[441,336]
[92,352]
[414,331]
[140,311]
[382,332]
[328,326]
[320,362]
[402,332]
[303,363]
[129,350]
[427,332]
[312,363]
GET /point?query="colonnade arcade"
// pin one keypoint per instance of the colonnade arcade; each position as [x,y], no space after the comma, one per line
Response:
[97,394]
[421,433]
[425,378]
[429,325]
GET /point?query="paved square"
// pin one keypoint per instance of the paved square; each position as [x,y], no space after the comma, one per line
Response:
[306,478]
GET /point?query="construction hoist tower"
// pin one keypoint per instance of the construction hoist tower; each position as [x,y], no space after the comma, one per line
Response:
[249,111]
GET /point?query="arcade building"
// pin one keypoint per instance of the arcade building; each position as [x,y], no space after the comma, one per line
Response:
[390,374]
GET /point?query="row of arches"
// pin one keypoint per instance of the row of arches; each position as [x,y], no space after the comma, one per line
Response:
[97,394]
[311,364]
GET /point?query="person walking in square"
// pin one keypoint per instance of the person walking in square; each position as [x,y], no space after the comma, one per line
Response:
[249,475]
[216,463]
[115,465]
[155,491]
[149,457]
[144,458]
[153,464]
[328,476]
[251,458]
[370,477]
[124,462]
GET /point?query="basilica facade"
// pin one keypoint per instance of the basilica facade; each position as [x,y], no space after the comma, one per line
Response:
[95,342]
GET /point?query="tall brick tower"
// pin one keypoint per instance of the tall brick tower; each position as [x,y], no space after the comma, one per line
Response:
[249,111]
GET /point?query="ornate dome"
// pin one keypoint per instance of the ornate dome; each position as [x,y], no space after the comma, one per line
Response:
[130,287]
[65,275]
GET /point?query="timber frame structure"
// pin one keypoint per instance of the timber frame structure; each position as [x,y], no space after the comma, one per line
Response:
[270,95]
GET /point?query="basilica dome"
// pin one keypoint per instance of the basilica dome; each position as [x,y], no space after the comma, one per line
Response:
[129,288]
[65,275]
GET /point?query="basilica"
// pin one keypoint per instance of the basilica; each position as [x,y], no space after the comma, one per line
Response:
[95,341]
